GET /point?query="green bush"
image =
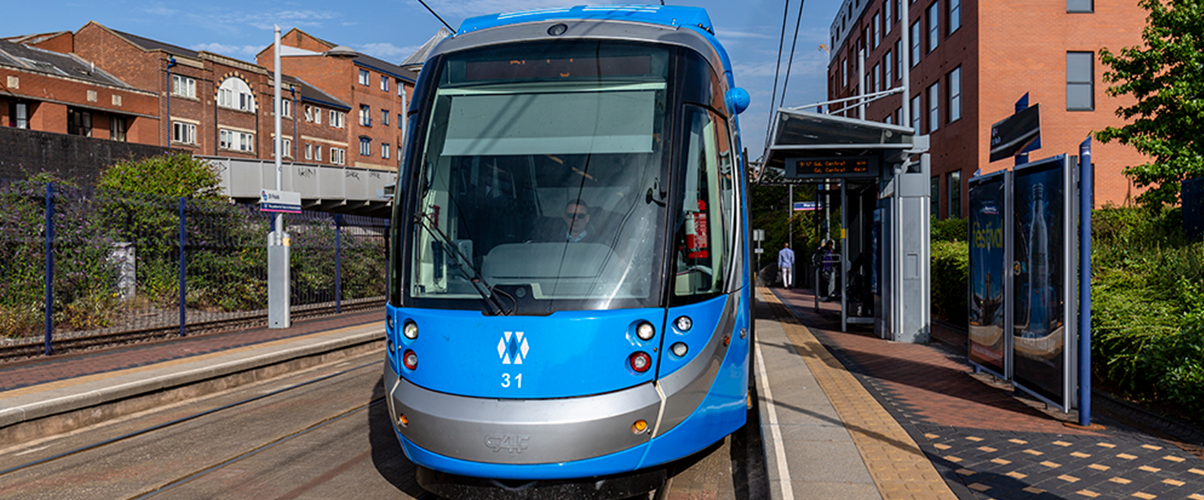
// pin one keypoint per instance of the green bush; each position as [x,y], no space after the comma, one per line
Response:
[950,272]
[950,230]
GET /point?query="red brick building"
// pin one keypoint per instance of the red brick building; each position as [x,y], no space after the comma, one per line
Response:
[971,61]
[61,93]
[376,91]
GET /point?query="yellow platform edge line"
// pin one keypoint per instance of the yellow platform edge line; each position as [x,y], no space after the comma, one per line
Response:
[895,462]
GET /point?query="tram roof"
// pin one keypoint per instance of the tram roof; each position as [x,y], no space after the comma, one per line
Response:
[668,15]
[799,134]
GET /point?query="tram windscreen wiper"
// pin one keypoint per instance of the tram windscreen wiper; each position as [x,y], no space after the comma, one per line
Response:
[488,292]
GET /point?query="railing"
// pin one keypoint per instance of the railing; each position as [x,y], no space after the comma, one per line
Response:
[78,263]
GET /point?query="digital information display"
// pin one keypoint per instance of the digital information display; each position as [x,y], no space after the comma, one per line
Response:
[837,167]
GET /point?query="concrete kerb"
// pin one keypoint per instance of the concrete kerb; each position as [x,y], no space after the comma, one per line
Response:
[93,399]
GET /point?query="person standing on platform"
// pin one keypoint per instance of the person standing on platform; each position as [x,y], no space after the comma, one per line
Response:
[786,265]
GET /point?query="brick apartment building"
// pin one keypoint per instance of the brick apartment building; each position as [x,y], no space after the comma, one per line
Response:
[61,93]
[376,91]
[971,61]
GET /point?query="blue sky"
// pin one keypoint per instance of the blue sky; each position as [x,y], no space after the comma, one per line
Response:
[393,29]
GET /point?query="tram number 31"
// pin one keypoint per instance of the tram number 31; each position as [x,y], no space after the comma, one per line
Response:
[517,380]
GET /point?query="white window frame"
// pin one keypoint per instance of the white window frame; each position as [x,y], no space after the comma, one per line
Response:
[235,140]
[338,156]
[183,133]
[364,77]
[309,151]
[309,113]
[317,153]
[384,117]
[365,115]
[183,86]
[365,147]
[338,119]
[384,150]
[384,83]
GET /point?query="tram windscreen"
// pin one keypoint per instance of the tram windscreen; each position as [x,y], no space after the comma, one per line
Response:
[541,180]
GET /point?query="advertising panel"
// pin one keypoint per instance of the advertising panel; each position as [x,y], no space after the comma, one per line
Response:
[989,272]
[1041,251]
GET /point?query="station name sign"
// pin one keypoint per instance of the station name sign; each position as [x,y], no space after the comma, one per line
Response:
[271,200]
[836,167]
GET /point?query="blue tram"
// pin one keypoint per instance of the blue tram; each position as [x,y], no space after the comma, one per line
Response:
[570,282]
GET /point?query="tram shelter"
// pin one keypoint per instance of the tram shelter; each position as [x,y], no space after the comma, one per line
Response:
[879,177]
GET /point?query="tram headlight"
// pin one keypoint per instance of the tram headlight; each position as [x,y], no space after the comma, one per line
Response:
[410,330]
[410,359]
[680,349]
[645,331]
[640,362]
[389,322]
[684,323]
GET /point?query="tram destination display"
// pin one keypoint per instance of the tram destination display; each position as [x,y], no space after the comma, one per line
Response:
[989,272]
[836,167]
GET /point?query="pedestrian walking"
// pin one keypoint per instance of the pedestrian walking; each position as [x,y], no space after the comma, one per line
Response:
[786,265]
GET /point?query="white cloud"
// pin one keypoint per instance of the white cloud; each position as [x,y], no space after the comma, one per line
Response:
[387,51]
[160,10]
[228,50]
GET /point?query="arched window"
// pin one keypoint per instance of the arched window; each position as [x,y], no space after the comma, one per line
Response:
[234,93]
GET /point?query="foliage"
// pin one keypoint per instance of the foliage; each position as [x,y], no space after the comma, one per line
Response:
[1166,77]
[176,175]
[768,205]
[950,275]
[950,230]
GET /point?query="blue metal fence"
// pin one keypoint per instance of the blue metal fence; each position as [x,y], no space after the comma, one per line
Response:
[78,262]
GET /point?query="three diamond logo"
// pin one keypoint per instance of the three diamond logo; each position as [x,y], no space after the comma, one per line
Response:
[512,348]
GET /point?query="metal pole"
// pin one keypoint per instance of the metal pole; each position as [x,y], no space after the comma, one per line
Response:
[183,266]
[789,228]
[861,87]
[338,263]
[49,266]
[278,244]
[171,61]
[1086,204]
[905,68]
[278,143]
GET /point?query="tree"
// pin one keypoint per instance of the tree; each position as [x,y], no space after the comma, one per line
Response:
[1166,76]
[177,175]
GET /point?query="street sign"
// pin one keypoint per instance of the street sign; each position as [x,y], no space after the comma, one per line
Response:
[804,206]
[835,167]
[271,200]
[758,235]
[1010,136]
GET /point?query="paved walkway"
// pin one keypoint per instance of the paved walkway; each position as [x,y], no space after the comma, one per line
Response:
[982,440]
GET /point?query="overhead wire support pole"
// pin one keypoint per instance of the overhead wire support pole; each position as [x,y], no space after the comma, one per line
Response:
[905,69]
[278,251]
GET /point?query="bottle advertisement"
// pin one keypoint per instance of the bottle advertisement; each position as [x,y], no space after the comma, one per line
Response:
[988,268]
[1038,270]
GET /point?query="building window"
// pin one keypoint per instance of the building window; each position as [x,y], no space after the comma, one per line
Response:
[915,113]
[899,10]
[317,115]
[887,20]
[384,117]
[384,83]
[915,44]
[934,23]
[934,199]
[309,151]
[877,36]
[365,115]
[309,113]
[384,150]
[183,86]
[955,94]
[117,128]
[934,107]
[235,94]
[365,146]
[1080,6]
[399,122]
[337,119]
[888,66]
[338,156]
[20,115]
[845,71]
[1080,81]
[237,141]
[955,194]
[79,122]
[877,78]
[955,15]
[364,77]
[287,145]
[287,105]
[184,133]
[318,153]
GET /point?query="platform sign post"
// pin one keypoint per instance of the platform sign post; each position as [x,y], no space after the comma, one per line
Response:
[1043,272]
[990,273]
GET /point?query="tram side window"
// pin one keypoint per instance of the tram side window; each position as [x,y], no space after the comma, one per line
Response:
[701,236]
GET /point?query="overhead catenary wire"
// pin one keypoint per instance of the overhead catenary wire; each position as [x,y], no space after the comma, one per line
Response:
[436,14]
[777,67]
[790,61]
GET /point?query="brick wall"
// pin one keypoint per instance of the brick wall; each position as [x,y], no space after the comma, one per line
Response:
[28,152]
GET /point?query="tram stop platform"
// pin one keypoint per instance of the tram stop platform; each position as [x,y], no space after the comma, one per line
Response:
[842,415]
